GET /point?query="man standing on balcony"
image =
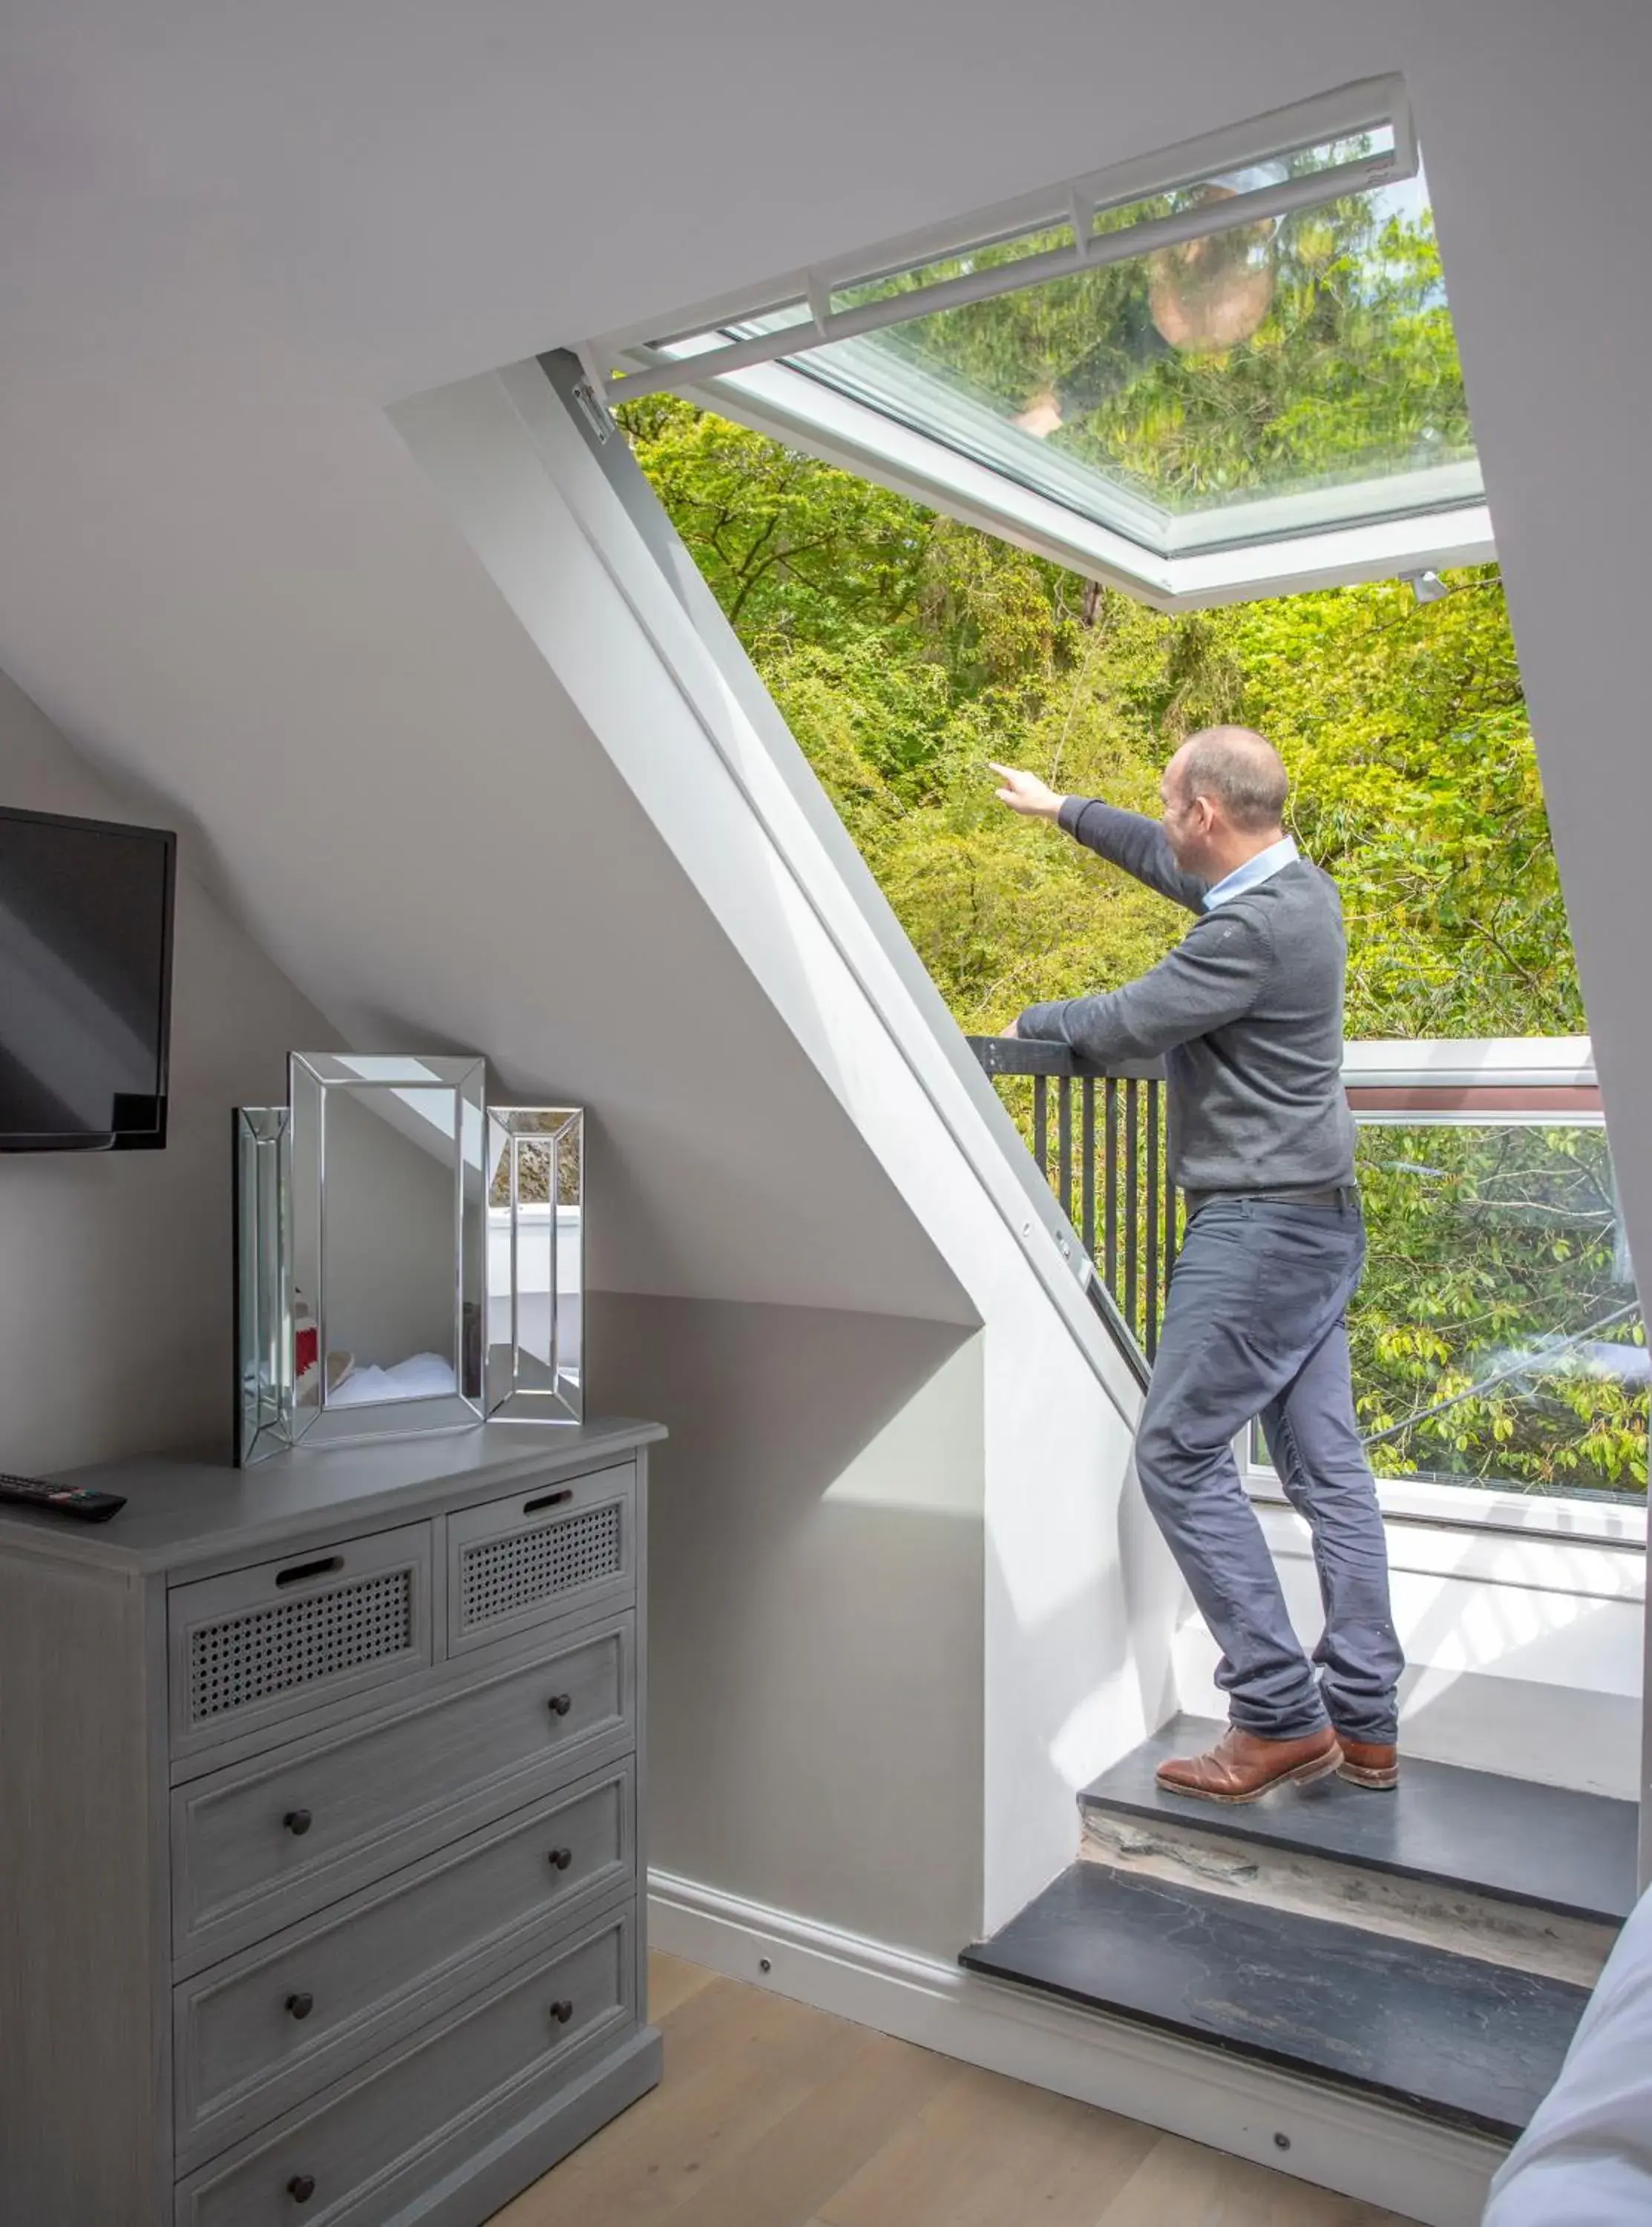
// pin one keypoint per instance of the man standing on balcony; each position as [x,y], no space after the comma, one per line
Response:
[1247,1011]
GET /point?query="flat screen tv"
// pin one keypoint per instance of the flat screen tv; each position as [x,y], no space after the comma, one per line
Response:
[85,980]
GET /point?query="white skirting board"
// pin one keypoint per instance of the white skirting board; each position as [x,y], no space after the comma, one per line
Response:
[1337,2142]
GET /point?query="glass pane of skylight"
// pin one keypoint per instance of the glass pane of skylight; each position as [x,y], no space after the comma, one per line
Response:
[982,255]
[1271,377]
[702,341]
[1305,162]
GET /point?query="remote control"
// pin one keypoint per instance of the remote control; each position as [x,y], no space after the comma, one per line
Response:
[60,1499]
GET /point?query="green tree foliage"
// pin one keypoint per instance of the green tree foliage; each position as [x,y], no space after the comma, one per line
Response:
[1341,360]
[905,649]
[1495,1337]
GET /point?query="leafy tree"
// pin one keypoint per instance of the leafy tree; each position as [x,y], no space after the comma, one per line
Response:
[793,550]
[1497,1336]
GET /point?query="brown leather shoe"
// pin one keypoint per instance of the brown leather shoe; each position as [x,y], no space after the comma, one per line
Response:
[1242,1765]
[1364,1764]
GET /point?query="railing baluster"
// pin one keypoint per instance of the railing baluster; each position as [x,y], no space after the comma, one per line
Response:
[1064,1142]
[1149,1342]
[1132,1203]
[1110,1192]
[1126,1154]
[1087,1152]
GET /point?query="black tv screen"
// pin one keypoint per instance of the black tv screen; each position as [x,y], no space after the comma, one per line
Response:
[85,971]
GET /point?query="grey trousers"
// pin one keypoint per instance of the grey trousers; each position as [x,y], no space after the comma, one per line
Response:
[1255,1325]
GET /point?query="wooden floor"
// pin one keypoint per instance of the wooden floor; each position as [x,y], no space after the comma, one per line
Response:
[773,2115]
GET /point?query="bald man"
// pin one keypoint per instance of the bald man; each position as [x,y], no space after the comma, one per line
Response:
[1248,1012]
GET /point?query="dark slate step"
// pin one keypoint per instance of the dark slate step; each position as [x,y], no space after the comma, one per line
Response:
[1454,2040]
[1509,1838]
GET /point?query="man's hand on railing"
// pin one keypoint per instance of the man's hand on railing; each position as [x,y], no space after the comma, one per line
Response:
[1011,1053]
[1012,1031]
[1025,793]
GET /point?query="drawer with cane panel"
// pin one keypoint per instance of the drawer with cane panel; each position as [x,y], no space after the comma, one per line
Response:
[335,1777]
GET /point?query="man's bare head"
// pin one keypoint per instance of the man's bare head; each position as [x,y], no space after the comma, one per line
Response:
[1224,794]
[1240,771]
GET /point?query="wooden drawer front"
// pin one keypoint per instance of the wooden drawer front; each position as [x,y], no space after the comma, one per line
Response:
[336,2159]
[544,1552]
[259,1645]
[259,1844]
[258,2034]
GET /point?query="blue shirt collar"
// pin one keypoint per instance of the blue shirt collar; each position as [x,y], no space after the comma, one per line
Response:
[1262,868]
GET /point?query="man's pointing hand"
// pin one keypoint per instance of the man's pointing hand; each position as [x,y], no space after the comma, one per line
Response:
[1026,793]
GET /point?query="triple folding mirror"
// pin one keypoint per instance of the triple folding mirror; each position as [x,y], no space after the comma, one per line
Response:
[408,1258]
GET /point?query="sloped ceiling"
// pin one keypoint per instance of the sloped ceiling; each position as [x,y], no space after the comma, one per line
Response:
[232,235]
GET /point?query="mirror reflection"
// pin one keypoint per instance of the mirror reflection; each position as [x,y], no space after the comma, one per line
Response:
[263,1307]
[387,1244]
[387,1247]
[535,1261]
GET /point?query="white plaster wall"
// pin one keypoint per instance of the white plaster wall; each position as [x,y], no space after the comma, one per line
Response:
[115,1298]
[815,1645]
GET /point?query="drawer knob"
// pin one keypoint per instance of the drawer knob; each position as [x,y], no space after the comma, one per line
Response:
[301,2187]
[297,1823]
[562,1858]
[300,2006]
[560,1704]
[561,2012]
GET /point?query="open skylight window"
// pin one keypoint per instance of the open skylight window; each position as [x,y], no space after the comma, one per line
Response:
[1217,372]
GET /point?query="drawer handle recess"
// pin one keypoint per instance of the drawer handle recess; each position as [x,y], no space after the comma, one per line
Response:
[301,2187]
[295,1573]
[561,2012]
[548,1500]
[560,1704]
[297,1823]
[562,1858]
[301,2004]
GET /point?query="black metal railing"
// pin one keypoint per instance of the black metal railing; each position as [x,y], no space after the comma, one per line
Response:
[1101,1138]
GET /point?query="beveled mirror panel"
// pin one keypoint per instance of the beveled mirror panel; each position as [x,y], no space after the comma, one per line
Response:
[536,1263]
[388,1242]
[265,1334]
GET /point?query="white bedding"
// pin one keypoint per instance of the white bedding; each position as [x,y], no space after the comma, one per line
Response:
[1585,2160]
[424,1377]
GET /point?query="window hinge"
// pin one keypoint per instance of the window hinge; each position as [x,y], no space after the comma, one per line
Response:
[596,411]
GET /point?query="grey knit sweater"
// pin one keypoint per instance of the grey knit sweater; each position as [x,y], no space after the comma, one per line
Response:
[1248,1011]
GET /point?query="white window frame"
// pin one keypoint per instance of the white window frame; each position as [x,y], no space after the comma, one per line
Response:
[796,409]
[1273,545]
[1457,1077]
[655,356]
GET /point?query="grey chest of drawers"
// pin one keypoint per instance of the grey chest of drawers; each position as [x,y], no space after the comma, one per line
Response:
[321,1891]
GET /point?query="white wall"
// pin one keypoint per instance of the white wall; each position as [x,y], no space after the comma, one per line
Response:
[816,1673]
[115,1298]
